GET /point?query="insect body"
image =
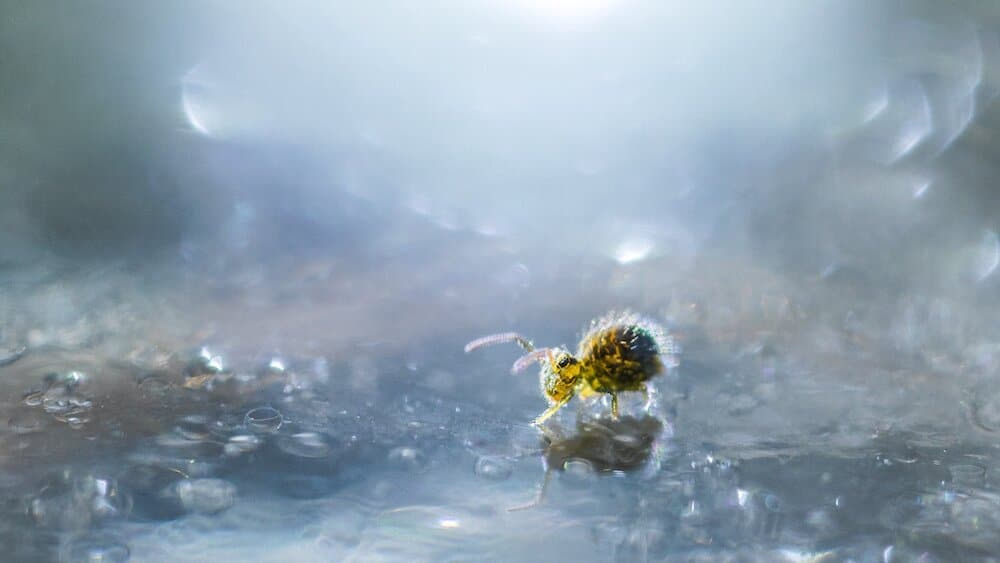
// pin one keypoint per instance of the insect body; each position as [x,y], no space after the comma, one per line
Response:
[619,352]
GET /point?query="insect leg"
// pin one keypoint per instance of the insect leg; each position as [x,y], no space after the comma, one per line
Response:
[614,406]
[551,410]
[541,494]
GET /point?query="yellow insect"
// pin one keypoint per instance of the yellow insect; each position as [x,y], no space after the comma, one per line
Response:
[618,352]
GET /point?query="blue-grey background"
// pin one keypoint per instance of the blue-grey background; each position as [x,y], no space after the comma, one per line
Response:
[319,203]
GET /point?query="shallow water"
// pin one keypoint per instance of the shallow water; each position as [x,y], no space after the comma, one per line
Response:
[780,436]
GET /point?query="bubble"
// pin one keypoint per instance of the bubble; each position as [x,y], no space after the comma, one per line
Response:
[304,444]
[10,354]
[55,401]
[33,398]
[71,501]
[577,469]
[408,458]
[226,425]
[75,419]
[967,474]
[153,490]
[494,468]
[194,427]
[985,412]
[241,443]
[975,522]
[61,398]
[174,444]
[823,521]
[206,496]
[154,387]
[26,422]
[263,420]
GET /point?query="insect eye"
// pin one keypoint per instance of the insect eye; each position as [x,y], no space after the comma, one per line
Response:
[562,362]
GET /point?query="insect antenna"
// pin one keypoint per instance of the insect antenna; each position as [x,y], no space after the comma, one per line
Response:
[531,357]
[501,338]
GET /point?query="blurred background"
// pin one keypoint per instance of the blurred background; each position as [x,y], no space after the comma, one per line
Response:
[812,136]
[801,192]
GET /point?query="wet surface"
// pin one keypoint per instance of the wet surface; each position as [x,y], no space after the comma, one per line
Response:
[780,436]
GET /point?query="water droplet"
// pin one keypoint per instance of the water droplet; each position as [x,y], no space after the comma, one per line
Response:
[76,419]
[73,501]
[241,443]
[34,398]
[176,445]
[10,354]
[206,496]
[408,458]
[194,427]
[96,548]
[263,420]
[967,474]
[494,468]
[26,422]
[154,387]
[578,469]
[55,404]
[304,444]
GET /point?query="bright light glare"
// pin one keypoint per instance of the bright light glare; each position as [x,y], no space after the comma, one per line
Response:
[195,90]
[633,250]
[989,255]
[565,12]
